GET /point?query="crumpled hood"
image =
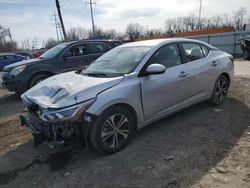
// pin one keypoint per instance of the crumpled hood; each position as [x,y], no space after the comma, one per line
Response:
[23,62]
[68,89]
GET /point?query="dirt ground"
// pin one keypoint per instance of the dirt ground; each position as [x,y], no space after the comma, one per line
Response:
[203,146]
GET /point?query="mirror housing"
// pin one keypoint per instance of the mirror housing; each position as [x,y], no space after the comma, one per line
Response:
[155,69]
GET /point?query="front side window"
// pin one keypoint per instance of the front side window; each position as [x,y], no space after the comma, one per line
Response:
[118,61]
[205,50]
[168,56]
[77,50]
[193,51]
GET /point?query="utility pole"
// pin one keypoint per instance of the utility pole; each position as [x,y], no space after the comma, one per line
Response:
[60,29]
[61,20]
[56,24]
[92,17]
[199,23]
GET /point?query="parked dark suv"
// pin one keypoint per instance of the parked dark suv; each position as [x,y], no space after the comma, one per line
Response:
[64,57]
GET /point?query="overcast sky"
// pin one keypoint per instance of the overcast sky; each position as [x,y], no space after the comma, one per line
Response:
[28,19]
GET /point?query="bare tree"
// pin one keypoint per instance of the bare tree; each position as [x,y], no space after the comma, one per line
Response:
[239,18]
[6,45]
[50,43]
[77,33]
[135,31]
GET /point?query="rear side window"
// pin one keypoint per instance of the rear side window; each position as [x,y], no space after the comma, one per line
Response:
[193,51]
[2,57]
[97,48]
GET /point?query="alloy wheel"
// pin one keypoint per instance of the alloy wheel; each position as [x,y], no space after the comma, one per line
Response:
[221,89]
[115,130]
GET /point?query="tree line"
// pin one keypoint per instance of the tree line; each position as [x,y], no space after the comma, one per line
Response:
[172,26]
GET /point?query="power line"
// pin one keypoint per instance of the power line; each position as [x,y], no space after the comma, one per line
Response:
[92,17]
[54,17]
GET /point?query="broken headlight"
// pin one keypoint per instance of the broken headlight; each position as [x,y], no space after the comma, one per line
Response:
[66,113]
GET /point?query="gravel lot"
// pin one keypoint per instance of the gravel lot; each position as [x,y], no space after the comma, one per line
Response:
[203,146]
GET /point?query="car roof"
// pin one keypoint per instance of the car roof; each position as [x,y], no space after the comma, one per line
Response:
[156,42]
[92,40]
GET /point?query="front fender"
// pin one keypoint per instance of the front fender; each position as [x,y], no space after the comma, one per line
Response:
[128,92]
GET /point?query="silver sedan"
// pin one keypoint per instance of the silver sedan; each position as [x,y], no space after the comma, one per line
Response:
[127,88]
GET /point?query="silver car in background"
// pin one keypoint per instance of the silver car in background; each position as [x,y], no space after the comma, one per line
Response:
[127,88]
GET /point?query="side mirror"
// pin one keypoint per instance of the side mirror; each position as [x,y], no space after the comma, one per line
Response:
[66,55]
[155,69]
[78,71]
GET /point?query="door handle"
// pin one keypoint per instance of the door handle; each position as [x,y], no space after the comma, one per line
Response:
[183,74]
[214,63]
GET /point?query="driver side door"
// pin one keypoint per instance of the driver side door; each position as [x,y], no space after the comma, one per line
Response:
[163,93]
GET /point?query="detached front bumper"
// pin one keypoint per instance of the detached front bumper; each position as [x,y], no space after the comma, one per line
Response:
[56,134]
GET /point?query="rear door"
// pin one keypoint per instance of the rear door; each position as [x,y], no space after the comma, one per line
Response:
[77,57]
[201,68]
[165,92]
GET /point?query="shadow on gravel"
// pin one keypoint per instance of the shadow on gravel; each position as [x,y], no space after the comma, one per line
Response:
[174,152]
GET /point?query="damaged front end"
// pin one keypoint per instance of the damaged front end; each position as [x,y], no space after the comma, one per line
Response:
[58,127]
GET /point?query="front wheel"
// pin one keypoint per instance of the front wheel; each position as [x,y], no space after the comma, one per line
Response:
[220,90]
[112,130]
[37,79]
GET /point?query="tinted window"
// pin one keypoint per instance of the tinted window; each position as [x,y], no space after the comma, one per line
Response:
[78,50]
[168,56]
[53,51]
[11,57]
[205,50]
[2,57]
[193,51]
[97,48]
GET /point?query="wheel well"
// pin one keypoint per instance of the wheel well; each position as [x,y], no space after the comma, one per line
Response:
[227,76]
[131,109]
[39,73]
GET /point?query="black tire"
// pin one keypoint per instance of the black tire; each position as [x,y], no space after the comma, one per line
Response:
[35,80]
[246,55]
[220,90]
[103,136]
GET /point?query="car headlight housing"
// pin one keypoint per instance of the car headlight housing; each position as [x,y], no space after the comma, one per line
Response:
[17,70]
[68,113]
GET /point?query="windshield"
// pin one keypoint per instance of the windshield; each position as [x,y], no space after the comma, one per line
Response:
[53,51]
[119,61]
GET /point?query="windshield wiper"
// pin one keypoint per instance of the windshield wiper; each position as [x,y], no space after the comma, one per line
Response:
[96,74]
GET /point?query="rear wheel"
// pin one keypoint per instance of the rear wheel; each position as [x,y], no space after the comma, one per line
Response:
[246,55]
[37,79]
[112,130]
[220,90]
